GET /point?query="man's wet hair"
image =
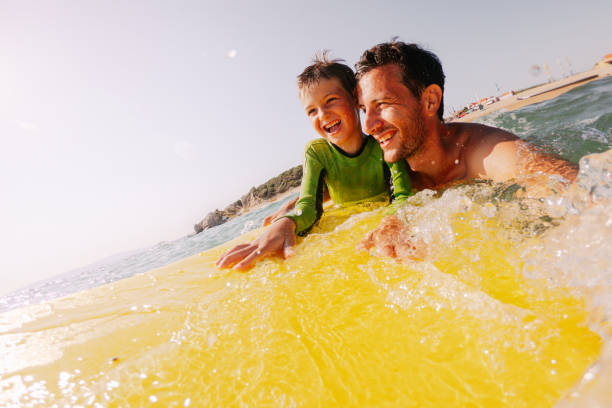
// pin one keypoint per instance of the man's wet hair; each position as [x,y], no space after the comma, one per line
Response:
[420,68]
[323,67]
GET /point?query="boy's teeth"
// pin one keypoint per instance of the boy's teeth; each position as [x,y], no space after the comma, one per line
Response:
[332,124]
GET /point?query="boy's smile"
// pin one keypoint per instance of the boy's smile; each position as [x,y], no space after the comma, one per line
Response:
[332,127]
[333,114]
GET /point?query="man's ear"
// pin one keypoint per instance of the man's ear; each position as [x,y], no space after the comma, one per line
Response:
[430,99]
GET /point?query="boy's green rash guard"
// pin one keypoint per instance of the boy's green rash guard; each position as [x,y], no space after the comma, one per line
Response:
[348,179]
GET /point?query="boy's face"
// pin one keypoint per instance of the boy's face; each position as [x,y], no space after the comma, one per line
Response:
[332,111]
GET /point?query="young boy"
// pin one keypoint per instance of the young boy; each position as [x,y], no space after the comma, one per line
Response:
[349,163]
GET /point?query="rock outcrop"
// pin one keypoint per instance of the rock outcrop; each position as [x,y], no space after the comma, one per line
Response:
[257,195]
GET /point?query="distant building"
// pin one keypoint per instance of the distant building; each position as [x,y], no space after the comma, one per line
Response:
[607,60]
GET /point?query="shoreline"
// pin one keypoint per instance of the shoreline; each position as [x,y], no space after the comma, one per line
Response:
[540,93]
[263,203]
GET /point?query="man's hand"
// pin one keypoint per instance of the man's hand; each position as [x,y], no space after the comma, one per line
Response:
[279,239]
[394,239]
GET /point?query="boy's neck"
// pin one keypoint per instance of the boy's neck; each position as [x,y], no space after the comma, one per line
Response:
[353,146]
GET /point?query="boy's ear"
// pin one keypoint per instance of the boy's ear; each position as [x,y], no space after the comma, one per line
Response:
[430,99]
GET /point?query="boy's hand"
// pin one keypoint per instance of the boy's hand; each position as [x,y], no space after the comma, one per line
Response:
[280,212]
[279,239]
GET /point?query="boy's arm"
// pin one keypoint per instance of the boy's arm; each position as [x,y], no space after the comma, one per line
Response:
[289,205]
[400,176]
[279,238]
[308,208]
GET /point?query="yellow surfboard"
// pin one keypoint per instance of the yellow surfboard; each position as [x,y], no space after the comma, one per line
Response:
[330,326]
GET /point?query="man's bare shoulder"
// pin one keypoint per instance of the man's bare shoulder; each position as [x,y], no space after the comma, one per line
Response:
[496,154]
[489,152]
[479,136]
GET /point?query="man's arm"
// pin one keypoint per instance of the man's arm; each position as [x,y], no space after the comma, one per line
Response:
[532,161]
[498,155]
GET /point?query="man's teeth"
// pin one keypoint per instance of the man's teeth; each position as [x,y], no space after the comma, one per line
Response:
[385,138]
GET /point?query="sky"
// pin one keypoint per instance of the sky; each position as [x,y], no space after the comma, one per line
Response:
[122,124]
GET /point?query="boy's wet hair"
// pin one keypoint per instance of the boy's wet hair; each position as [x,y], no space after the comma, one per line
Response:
[420,68]
[325,68]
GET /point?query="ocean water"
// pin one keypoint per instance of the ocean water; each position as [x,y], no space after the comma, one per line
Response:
[510,305]
[124,265]
[572,125]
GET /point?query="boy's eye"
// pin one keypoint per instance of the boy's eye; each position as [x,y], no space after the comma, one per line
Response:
[310,112]
[333,98]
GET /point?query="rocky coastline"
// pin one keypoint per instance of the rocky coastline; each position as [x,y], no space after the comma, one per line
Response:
[268,191]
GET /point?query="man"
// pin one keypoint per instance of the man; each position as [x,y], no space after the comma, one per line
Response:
[400,91]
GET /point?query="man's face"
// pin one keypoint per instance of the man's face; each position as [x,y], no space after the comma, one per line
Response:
[392,114]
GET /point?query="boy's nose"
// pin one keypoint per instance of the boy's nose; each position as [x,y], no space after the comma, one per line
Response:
[322,115]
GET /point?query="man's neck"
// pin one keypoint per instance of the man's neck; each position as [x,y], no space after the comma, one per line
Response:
[439,160]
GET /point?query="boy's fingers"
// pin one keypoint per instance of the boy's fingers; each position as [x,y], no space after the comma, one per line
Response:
[229,251]
[236,256]
[247,262]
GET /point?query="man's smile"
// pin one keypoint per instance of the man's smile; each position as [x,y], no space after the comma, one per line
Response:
[385,137]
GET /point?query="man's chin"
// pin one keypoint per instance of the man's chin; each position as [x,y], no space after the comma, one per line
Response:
[392,156]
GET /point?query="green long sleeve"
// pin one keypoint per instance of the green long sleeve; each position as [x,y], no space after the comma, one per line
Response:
[348,179]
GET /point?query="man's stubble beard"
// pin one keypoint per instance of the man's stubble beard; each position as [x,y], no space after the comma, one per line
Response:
[414,143]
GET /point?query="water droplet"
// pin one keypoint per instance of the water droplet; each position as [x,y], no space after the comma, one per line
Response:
[152,398]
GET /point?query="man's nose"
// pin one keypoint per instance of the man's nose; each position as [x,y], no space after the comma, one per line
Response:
[371,122]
